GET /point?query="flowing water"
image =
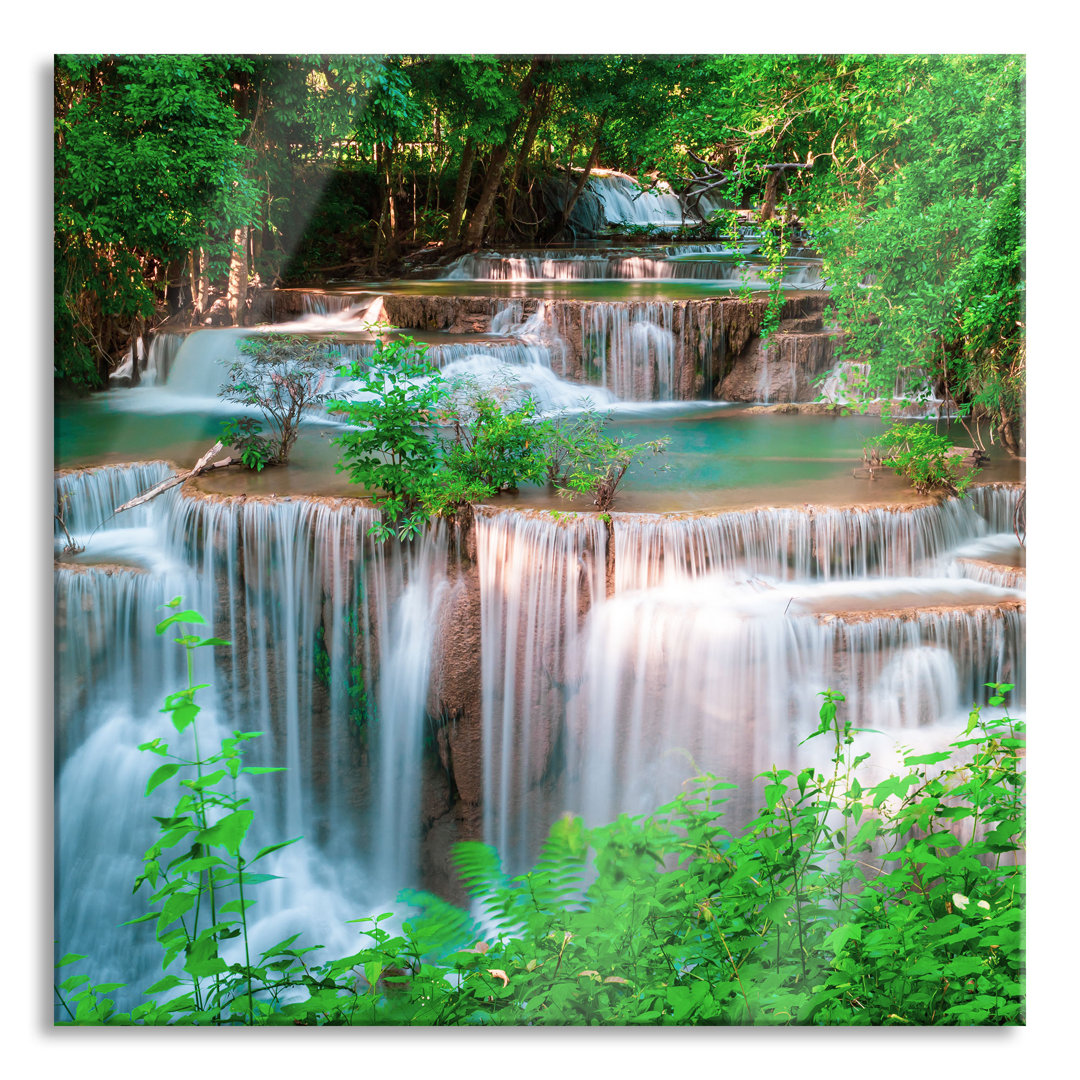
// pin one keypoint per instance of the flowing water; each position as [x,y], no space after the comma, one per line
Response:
[480,681]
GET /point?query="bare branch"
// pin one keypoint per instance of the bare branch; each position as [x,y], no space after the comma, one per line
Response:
[201,466]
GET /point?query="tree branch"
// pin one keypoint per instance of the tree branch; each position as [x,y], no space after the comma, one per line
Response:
[201,466]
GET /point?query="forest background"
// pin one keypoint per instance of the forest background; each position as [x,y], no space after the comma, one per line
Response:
[919,27]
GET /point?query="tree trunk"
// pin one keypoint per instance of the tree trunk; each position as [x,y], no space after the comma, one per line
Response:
[461,190]
[536,117]
[473,232]
[474,228]
[238,277]
[204,284]
[583,179]
[1008,431]
[195,310]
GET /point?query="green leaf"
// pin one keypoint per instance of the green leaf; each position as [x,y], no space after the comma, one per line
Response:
[167,983]
[160,775]
[927,759]
[274,847]
[68,958]
[229,832]
[141,918]
[183,716]
[180,616]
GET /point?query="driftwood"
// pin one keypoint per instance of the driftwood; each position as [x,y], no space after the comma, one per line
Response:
[202,465]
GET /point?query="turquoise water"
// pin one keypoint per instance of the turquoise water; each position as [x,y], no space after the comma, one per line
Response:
[605,289]
[719,455]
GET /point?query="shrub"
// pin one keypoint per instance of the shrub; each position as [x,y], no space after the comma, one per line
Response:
[595,463]
[283,376]
[245,434]
[393,448]
[425,446]
[926,459]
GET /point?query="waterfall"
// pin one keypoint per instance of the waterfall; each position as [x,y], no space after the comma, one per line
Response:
[309,601]
[89,497]
[615,660]
[711,674]
[537,577]
[631,348]
[997,504]
[671,264]
[814,542]
[404,678]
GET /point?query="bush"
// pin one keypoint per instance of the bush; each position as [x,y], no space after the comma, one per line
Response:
[428,447]
[244,433]
[394,448]
[927,460]
[284,376]
[588,461]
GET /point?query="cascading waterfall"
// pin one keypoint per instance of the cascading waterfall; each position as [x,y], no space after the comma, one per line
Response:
[404,678]
[308,601]
[721,632]
[787,542]
[623,265]
[625,202]
[537,578]
[845,383]
[709,652]
[631,348]
[712,674]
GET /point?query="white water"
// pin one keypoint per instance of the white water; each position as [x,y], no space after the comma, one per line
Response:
[537,576]
[625,266]
[709,653]
[288,582]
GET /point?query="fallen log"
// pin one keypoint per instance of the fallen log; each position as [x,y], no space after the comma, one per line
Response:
[204,464]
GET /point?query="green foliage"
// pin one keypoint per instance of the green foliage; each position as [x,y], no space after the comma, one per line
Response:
[284,376]
[839,903]
[394,450]
[927,459]
[148,166]
[428,447]
[245,434]
[425,446]
[498,441]
[585,459]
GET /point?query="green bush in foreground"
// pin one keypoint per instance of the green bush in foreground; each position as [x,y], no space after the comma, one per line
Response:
[899,902]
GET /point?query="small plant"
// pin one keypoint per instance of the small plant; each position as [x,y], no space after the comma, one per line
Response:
[595,463]
[928,460]
[245,433]
[497,443]
[72,547]
[393,450]
[425,446]
[284,376]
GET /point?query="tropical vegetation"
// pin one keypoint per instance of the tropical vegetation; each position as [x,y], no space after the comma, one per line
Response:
[844,900]
[183,180]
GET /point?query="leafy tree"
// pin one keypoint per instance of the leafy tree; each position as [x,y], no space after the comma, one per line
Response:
[592,462]
[147,168]
[284,376]
[394,448]
[908,171]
